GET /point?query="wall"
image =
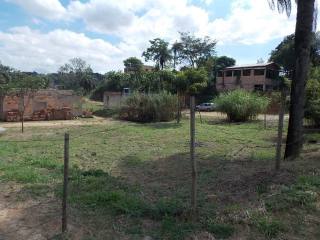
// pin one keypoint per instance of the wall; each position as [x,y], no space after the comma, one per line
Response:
[113,99]
[43,103]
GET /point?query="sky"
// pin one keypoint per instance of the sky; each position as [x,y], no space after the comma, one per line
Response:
[42,35]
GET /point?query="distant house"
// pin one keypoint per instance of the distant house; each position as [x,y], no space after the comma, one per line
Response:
[145,68]
[46,104]
[259,77]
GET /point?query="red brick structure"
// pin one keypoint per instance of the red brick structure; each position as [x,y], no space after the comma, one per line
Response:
[250,77]
[49,104]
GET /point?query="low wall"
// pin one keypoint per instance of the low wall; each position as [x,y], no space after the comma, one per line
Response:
[48,104]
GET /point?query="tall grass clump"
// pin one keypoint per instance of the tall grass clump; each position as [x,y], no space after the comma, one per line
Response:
[160,107]
[241,105]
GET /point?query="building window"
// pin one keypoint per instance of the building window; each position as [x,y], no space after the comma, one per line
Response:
[220,74]
[237,73]
[228,73]
[272,74]
[258,87]
[259,72]
[246,72]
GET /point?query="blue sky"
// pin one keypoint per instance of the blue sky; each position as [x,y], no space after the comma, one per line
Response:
[41,35]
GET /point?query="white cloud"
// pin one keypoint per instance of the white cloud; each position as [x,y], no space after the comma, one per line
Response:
[30,50]
[134,23]
[51,9]
[251,22]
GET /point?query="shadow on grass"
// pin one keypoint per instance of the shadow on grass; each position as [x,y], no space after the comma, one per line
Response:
[160,125]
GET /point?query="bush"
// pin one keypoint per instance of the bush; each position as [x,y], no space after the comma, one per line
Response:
[313,97]
[240,105]
[160,107]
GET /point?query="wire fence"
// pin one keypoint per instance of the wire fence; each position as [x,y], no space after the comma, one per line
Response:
[61,148]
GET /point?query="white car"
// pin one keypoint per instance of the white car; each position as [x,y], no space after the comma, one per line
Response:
[206,107]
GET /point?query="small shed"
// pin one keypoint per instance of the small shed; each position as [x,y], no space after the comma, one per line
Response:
[115,99]
[47,104]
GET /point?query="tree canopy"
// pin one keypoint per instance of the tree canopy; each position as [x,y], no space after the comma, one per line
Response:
[77,75]
[194,50]
[158,52]
[133,64]
[284,53]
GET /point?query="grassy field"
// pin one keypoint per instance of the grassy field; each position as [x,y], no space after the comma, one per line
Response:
[128,181]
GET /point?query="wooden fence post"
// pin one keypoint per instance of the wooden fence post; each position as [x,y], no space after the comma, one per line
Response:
[192,158]
[65,183]
[280,128]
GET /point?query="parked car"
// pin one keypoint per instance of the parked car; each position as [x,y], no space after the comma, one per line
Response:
[206,107]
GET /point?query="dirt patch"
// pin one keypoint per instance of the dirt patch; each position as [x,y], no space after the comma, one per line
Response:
[62,123]
[31,219]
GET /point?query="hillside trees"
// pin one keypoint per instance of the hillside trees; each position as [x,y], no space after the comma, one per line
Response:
[77,75]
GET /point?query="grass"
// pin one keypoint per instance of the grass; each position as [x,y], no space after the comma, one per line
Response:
[138,175]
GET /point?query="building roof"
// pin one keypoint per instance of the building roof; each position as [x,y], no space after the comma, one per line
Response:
[258,65]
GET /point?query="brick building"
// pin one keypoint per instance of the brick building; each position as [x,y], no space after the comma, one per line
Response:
[49,104]
[250,77]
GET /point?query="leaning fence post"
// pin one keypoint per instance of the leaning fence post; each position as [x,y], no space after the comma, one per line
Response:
[65,183]
[280,128]
[192,157]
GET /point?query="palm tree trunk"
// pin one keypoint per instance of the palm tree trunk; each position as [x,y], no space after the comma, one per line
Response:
[303,34]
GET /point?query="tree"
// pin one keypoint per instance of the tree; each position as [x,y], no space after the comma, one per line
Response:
[196,50]
[77,75]
[24,87]
[284,53]
[158,52]
[260,60]
[176,49]
[133,64]
[303,40]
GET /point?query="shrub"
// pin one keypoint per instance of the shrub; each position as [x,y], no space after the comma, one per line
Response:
[240,105]
[313,97]
[160,107]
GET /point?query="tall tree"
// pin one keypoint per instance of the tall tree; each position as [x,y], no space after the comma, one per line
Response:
[158,52]
[77,75]
[133,64]
[196,50]
[176,49]
[303,39]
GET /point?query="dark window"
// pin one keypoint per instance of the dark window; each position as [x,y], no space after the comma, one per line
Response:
[237,73]
[228,73]
[246,72]
[220,74]
[259,72]
[258,87]
[272,74]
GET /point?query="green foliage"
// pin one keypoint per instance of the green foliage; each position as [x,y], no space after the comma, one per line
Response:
[171,228]
[149,108]
[133,64]
[191,80]
[284,53]
[312,110]
[268,226]
[77,75]
[195,50]
[240,105]
[219,230]
[291,197]
[158,52]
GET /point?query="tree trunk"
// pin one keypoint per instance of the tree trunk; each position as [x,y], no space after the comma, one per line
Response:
[303,34]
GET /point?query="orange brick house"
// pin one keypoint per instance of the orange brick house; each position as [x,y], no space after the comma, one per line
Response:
[47,104]
[259,77]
